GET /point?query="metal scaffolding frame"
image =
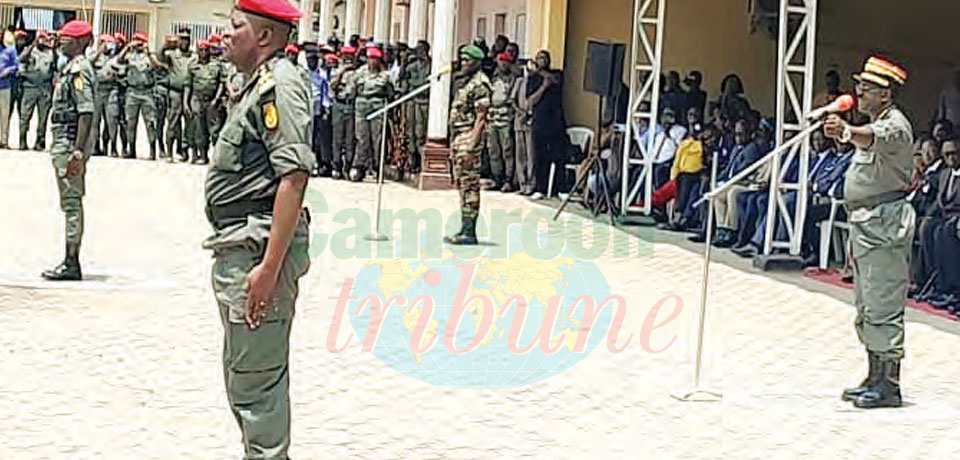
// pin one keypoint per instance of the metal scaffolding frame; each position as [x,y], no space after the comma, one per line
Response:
[796,53]
[646,62]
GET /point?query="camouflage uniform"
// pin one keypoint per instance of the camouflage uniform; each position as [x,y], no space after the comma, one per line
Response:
[180,63]
[218,113]
[373,91]
[266,136]
[37,69]
[107,107]
[160,101]
[73,96]
[344,113]
[417,74]
[500,133]
[205,81]
[470,99]
[140,94]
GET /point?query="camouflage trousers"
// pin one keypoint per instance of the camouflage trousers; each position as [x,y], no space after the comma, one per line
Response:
[416,130]
[175,114]
[466,175]
[880,240]
[344,138]
[369,135]
[140,101]
[160,101]
[110,112]
[71,190]
[41,100]
[502,158]
[200,127]
[256,361]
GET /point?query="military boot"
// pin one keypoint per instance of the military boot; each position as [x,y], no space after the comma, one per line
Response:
[873,374]
[40,145]
[467,235]
[23,143]
[153,152]
[886,391]
[69,269]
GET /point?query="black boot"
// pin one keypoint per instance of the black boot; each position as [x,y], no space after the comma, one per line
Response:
[873,375]
[69,270]
[153,152]
[467,235]
[886,391]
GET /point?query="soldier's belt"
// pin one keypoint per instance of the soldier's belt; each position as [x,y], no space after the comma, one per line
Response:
[239,210]
[877,200]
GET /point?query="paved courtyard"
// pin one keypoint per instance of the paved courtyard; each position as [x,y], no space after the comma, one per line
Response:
[126,365]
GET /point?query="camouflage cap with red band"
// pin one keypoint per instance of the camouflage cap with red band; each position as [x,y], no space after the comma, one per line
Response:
[881,72]
[76,29]
[278,10]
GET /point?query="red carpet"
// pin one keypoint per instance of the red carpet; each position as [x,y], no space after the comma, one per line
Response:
[835,278]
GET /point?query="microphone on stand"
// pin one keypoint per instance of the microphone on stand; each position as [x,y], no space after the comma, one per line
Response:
[841,104]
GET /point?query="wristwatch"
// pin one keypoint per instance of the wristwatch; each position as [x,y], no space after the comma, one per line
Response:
[846,135]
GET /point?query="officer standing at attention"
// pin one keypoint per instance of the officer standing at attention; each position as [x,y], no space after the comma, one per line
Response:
[416,74]
[179,62]
[121,95]
[882,226]
[138,65]
[254,198]
[344,87]
[73,140]
[500,133]
[206,83]
[161,95]
[37,67]
[219,111]
[373,91]
[468,116]
[107,106]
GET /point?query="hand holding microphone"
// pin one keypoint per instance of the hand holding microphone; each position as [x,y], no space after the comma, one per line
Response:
[839,105]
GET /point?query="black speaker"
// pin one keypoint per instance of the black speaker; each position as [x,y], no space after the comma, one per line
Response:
[604,67]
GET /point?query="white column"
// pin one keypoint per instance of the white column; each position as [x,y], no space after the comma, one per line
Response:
[97,21]
[381,28]
[305,25]
[404,25]
[443,36]
[326,19]
[418,21]
[352,23]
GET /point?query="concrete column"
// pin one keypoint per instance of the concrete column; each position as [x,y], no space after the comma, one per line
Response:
[326,20]
[443,48]
[353,19]
[369,15]
[404,25]
[382,22]
[418,21]
[305,25]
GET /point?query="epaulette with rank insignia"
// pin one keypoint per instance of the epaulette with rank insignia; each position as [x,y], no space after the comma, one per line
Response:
[265,83]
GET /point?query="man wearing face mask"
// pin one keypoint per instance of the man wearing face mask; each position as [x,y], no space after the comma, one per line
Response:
[9,65]
[72,121]
[206,84]
[179,62]
[38,67]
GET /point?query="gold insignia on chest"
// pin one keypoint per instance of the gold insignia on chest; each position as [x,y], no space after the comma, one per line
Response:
[78,83]
[270,116]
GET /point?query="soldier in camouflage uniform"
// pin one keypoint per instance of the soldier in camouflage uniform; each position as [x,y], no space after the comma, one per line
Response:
[73,139]
[373,91]
[138,66]
[415,75]
[218,112]
[105,122]
[162,97]
[206,81]
[37,66]
[120,95]
[882,224]
[344,87]
[500,133]
[468,117]
[178,62]
[254,196]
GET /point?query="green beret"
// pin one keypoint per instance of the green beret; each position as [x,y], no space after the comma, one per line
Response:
[472,52]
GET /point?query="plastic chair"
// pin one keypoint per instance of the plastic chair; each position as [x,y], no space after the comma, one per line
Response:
[580,136]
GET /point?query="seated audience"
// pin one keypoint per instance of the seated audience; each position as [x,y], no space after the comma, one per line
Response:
[939,242]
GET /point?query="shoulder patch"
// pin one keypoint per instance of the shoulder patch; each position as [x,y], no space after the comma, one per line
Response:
[271,117]
[78,83]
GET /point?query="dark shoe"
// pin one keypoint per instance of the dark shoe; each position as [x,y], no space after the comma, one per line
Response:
[69,269]
[324,171]
[886,391]
[943,301]
[747,250]
[725,238]
[356,175]
[337,175]
[40,147]
[507,188]
[467,235]
[873,374]
[698,238]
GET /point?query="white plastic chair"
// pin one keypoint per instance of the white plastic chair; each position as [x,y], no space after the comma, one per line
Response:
[827,228]
[580,136]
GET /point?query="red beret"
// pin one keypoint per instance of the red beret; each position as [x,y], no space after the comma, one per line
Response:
[105,38]
[278,10]
[120,36]
[374,53]
[505,57]
[348,50]
[332,58]
[215,38]
[140,36]
[76,29]
[21,33]
[203,44]
[291,48]
[43,34]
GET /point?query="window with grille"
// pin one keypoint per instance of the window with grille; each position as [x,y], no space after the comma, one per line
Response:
[198,30]
[115,21]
